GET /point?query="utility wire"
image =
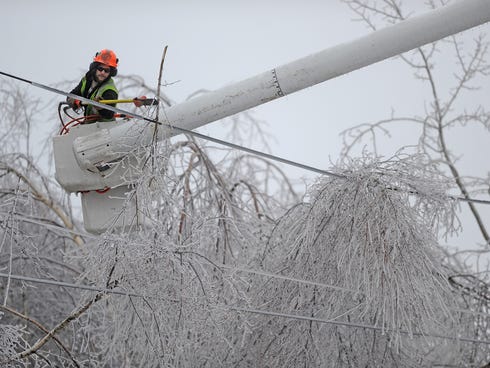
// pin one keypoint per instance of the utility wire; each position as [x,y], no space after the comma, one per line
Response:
[173,127]
[111,291]
[252,311]
[67,284]
[355,325]
[221,266]
[206,137]
[283,277]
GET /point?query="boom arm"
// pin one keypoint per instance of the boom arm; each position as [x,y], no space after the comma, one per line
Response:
[330,63]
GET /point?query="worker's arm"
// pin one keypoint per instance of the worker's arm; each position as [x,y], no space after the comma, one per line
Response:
[76,91]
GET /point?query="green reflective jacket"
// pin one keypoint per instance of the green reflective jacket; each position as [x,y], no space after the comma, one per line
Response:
[97,93]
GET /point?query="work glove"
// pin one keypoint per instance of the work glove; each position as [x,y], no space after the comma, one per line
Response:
[139,101]
[74,104]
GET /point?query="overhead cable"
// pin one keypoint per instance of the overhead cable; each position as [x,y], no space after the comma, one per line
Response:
[254,311]
[66,284]
[206,137]
[283,277]
[355,325]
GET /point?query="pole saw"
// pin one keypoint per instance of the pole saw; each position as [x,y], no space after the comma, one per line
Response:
[138,101]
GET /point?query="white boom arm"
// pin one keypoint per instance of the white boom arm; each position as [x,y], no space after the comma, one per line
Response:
[330,63]
[95,145]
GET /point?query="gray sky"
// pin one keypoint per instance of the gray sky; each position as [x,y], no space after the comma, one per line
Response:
[213,43]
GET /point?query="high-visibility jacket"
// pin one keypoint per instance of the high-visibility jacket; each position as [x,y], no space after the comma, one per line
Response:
[98,92]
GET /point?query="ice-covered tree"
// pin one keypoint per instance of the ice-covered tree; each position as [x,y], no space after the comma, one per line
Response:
[235,266]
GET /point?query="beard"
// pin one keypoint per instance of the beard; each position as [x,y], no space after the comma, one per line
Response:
[100,78]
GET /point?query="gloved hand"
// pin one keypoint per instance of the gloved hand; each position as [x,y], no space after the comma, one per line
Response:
[139,101]
[74,104]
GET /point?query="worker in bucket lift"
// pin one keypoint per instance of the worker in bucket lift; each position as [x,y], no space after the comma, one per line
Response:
[97,84]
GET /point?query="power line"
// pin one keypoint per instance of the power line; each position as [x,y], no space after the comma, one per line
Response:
[355,325]
[238,269]
[283,277]
[221,266]
[209,138]
[249,310]
[67,284]
[112,291]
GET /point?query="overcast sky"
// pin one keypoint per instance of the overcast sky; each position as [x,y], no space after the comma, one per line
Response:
[216,42]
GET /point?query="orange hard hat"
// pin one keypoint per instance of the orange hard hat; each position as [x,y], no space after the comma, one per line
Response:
[107,57]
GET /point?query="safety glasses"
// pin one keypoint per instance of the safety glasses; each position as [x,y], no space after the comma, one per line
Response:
[102,69]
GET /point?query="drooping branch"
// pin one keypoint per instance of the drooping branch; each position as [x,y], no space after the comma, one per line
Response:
[45,199]
[51,334]
[42,328]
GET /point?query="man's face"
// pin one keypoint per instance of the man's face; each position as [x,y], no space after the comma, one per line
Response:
[102,72]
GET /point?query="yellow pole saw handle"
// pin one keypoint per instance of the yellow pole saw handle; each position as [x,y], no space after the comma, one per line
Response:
[138,101]
[115,101]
